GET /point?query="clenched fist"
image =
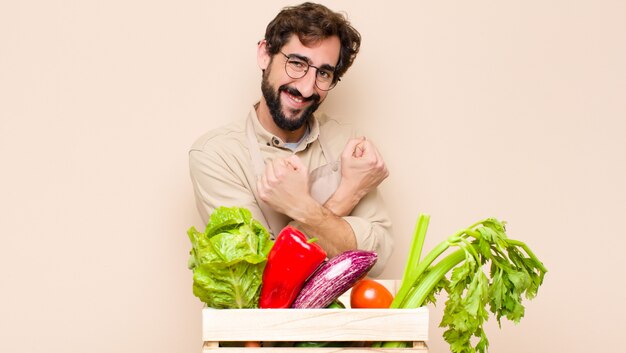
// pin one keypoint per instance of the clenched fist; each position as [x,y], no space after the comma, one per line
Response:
[362,166]
[285,185]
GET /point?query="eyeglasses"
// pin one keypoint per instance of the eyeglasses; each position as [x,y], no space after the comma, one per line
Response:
[296,67]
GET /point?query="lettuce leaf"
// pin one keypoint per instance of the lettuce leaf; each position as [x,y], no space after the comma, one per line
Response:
[228,259]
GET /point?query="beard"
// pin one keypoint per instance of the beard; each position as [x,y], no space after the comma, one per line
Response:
[272,98]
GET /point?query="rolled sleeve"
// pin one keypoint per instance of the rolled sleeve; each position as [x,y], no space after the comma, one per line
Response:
[372,229]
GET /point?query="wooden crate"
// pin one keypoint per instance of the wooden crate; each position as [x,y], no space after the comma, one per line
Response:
[294,325]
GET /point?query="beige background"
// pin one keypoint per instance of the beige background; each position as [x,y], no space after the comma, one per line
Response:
[512,109]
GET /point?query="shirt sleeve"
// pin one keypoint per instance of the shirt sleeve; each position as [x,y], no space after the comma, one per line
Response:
[218,180]
[372,228]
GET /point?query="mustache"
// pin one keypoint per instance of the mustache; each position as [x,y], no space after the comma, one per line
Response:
[294,92]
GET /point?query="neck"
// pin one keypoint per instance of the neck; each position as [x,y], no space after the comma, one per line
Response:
[266,120]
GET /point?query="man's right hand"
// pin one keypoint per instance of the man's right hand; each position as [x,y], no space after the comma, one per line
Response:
[285,186]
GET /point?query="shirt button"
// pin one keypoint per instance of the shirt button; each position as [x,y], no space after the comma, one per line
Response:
[275,141]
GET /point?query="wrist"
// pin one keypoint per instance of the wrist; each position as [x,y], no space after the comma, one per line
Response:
[343,201]
[309,211]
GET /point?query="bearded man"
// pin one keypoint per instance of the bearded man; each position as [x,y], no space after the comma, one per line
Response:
[286,164]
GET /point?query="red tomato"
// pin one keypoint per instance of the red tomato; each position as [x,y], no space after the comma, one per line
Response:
[368,293]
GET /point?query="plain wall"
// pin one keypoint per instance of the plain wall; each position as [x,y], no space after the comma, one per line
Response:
[507,109]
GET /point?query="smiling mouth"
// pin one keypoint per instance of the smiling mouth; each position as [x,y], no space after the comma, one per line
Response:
[294,101]
[295,97]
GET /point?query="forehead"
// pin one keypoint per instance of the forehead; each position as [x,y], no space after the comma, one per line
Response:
[324,52]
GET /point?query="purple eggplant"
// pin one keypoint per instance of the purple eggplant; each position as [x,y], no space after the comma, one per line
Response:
[334,277]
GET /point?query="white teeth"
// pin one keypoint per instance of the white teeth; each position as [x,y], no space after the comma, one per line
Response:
[296,99]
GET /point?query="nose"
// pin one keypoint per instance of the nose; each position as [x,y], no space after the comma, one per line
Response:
[306,84]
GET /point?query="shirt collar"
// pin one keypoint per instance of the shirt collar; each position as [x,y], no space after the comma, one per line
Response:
[269,139]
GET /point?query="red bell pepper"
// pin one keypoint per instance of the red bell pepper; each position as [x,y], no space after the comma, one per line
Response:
[290,262]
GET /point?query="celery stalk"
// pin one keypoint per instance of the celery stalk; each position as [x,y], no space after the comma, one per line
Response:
[432,278]
[421,227]
[515,270]
[407,286]
[414,256]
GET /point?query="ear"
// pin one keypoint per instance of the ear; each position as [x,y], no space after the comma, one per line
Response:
[262,55]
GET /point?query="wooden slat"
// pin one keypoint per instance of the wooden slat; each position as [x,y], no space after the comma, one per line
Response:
[422,349]
[315,324]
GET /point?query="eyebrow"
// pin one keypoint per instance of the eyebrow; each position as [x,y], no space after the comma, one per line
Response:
[308,60]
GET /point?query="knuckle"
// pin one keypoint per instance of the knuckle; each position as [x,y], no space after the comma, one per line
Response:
[278,175]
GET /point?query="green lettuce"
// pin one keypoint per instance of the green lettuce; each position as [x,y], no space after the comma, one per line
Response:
[228,259]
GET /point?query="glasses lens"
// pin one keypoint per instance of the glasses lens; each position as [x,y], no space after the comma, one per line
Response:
[325,86]
[296,68]
[325,79]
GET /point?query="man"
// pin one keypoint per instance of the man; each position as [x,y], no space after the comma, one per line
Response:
[288,166]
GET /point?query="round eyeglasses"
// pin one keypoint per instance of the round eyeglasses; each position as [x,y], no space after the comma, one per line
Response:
[296,67]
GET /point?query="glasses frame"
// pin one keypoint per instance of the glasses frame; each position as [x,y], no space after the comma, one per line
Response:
[333,83]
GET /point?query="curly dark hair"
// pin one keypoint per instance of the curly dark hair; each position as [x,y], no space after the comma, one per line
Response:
[312,23]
